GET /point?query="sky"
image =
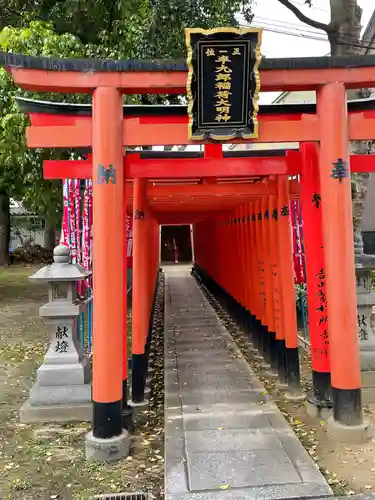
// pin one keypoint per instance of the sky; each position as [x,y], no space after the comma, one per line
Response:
[301,40]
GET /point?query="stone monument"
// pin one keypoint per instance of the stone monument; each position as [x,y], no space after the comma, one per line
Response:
[62,391]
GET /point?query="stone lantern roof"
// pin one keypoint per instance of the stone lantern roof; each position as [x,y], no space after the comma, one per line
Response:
[62,269]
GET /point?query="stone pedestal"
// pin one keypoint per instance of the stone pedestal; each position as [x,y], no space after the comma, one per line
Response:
[62,391]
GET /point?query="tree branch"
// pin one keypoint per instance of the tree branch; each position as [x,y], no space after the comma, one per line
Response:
[11,11]
[299,15]
[111,16]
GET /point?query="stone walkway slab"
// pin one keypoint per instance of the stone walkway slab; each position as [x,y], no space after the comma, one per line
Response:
[224,438]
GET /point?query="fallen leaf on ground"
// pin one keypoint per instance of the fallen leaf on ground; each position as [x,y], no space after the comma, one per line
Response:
[224,486]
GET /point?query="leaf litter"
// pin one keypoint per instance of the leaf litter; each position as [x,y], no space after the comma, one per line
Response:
[38,462]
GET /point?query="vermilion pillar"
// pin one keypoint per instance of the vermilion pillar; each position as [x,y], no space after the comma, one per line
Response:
[257,217]
[241,258]
[315,277]
[252,278]
[140,303]
[277,290]
[271,282]
[287,283]
[248,270]
[245,274]
[340,279]
[270,330]
[256,303]
[152,258]
[108,263]
[127,411]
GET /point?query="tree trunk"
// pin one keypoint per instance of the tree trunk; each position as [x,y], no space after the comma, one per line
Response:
[49,235]
[346,17]
[344,32]
[4,228]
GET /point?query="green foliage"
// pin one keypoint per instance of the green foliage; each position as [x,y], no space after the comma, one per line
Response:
[21,168]
[113,29]
[125,28]
[301,296]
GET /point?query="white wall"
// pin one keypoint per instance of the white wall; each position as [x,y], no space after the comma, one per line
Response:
[38,237]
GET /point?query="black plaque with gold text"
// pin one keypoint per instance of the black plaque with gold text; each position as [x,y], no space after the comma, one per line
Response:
[223,83]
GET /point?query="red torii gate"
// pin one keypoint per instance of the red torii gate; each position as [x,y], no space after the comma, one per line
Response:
[108,131]
[182,165]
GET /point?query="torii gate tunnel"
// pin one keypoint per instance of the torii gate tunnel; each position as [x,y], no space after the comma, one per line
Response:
[238,203]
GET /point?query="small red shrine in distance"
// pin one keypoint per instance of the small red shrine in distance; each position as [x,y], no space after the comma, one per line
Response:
[238,203]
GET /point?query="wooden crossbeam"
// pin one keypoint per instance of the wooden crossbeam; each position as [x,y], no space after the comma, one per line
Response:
[174,82]
[185,168]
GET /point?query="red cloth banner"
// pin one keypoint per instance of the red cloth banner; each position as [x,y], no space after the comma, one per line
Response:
[298,257]
[129,239]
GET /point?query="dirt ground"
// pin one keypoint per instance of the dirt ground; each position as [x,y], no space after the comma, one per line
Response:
[39,462]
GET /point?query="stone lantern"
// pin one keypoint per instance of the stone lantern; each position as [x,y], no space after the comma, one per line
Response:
[365,265]
[62,391]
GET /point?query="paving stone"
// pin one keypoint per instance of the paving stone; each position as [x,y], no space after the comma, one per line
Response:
[307,469]
[220,425]
[213,396]
[223,407]
[233,439]
[200,343]
[172,400]
[226,421]
[196,323]
[199,357]
[175,477]
[172,414]
[174,446]
[205,382]
[277,420]
[275,492]
[207,471]
[217,369]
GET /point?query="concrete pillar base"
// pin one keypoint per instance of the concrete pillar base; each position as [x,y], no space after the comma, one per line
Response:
[137,407]
[265,365]
[315,411]
[106,450]
[248,352]
[271,374]
[347,433]
[281,386]
[258,357]
[294,396]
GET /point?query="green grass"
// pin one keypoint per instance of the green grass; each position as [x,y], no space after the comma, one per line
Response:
[15,284]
